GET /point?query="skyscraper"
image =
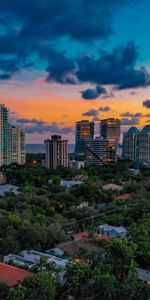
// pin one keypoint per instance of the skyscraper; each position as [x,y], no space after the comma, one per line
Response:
[136,145]
[5,137]
[100,151]
[18,145]
[12,143]
[129,144]
[84,133]
[110,129]
[56,152]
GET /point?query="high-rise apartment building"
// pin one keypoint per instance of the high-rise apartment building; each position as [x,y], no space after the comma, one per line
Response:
[12,148]
[100,151]
[110,129]
[56,152]
[18,145]
[129,144]
[136,145]
[84,133]
[5,137]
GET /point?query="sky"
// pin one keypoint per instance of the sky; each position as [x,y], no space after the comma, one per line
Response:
[62,61]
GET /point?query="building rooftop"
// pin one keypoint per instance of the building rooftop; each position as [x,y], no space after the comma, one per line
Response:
[143,274]
[146,129]
[12,275]
[7,188]
[111,186]
[73,248]
[118,229]
[133,130]
[81,235]
[35,256]
[124,197]
[85,235]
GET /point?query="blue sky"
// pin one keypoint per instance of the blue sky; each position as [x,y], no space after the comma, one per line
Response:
[61,60]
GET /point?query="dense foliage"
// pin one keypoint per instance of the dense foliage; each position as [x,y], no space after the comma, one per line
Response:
[44,212]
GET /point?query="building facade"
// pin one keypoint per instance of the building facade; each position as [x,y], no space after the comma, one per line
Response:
[110,129]
[56,152]
[129,144]
[5,137]
[17,145]
[84,133]
[136,145]
[100,151]
[12,140]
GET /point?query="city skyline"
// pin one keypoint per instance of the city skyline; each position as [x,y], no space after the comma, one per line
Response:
[53,74]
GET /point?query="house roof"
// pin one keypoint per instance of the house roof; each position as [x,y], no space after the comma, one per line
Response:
[111,186]
[85,235]
[118,229]
[8,188]
[103,237]
[12,275]
[143,274]
[81,235]
[73,248]
[124,197]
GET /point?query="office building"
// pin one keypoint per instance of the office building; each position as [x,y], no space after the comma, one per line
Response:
[110,129]
[136,145]
[56,152]
[18,145]
[100,151]
[84,133]
[12,140]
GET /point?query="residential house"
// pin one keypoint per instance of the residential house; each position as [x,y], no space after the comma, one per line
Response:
[113,231]
[18,260]
[12,275]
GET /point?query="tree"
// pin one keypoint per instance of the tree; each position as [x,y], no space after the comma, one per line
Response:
[40,286]
[56,180]
[4,290]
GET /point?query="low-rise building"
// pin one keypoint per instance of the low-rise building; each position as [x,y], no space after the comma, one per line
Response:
[18,260]
[113,231]
[35,256]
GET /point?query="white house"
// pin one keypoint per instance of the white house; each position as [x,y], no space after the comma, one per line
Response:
[35,256]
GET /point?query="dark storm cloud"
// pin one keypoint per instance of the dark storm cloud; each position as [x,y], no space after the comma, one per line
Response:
[136,115]
[146,103]
[51,128]
[116,68]
[31,29]
[104,108]
[91,94]
[91,113]
[130,122]
[39,126]
[24,121]
[28,28]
